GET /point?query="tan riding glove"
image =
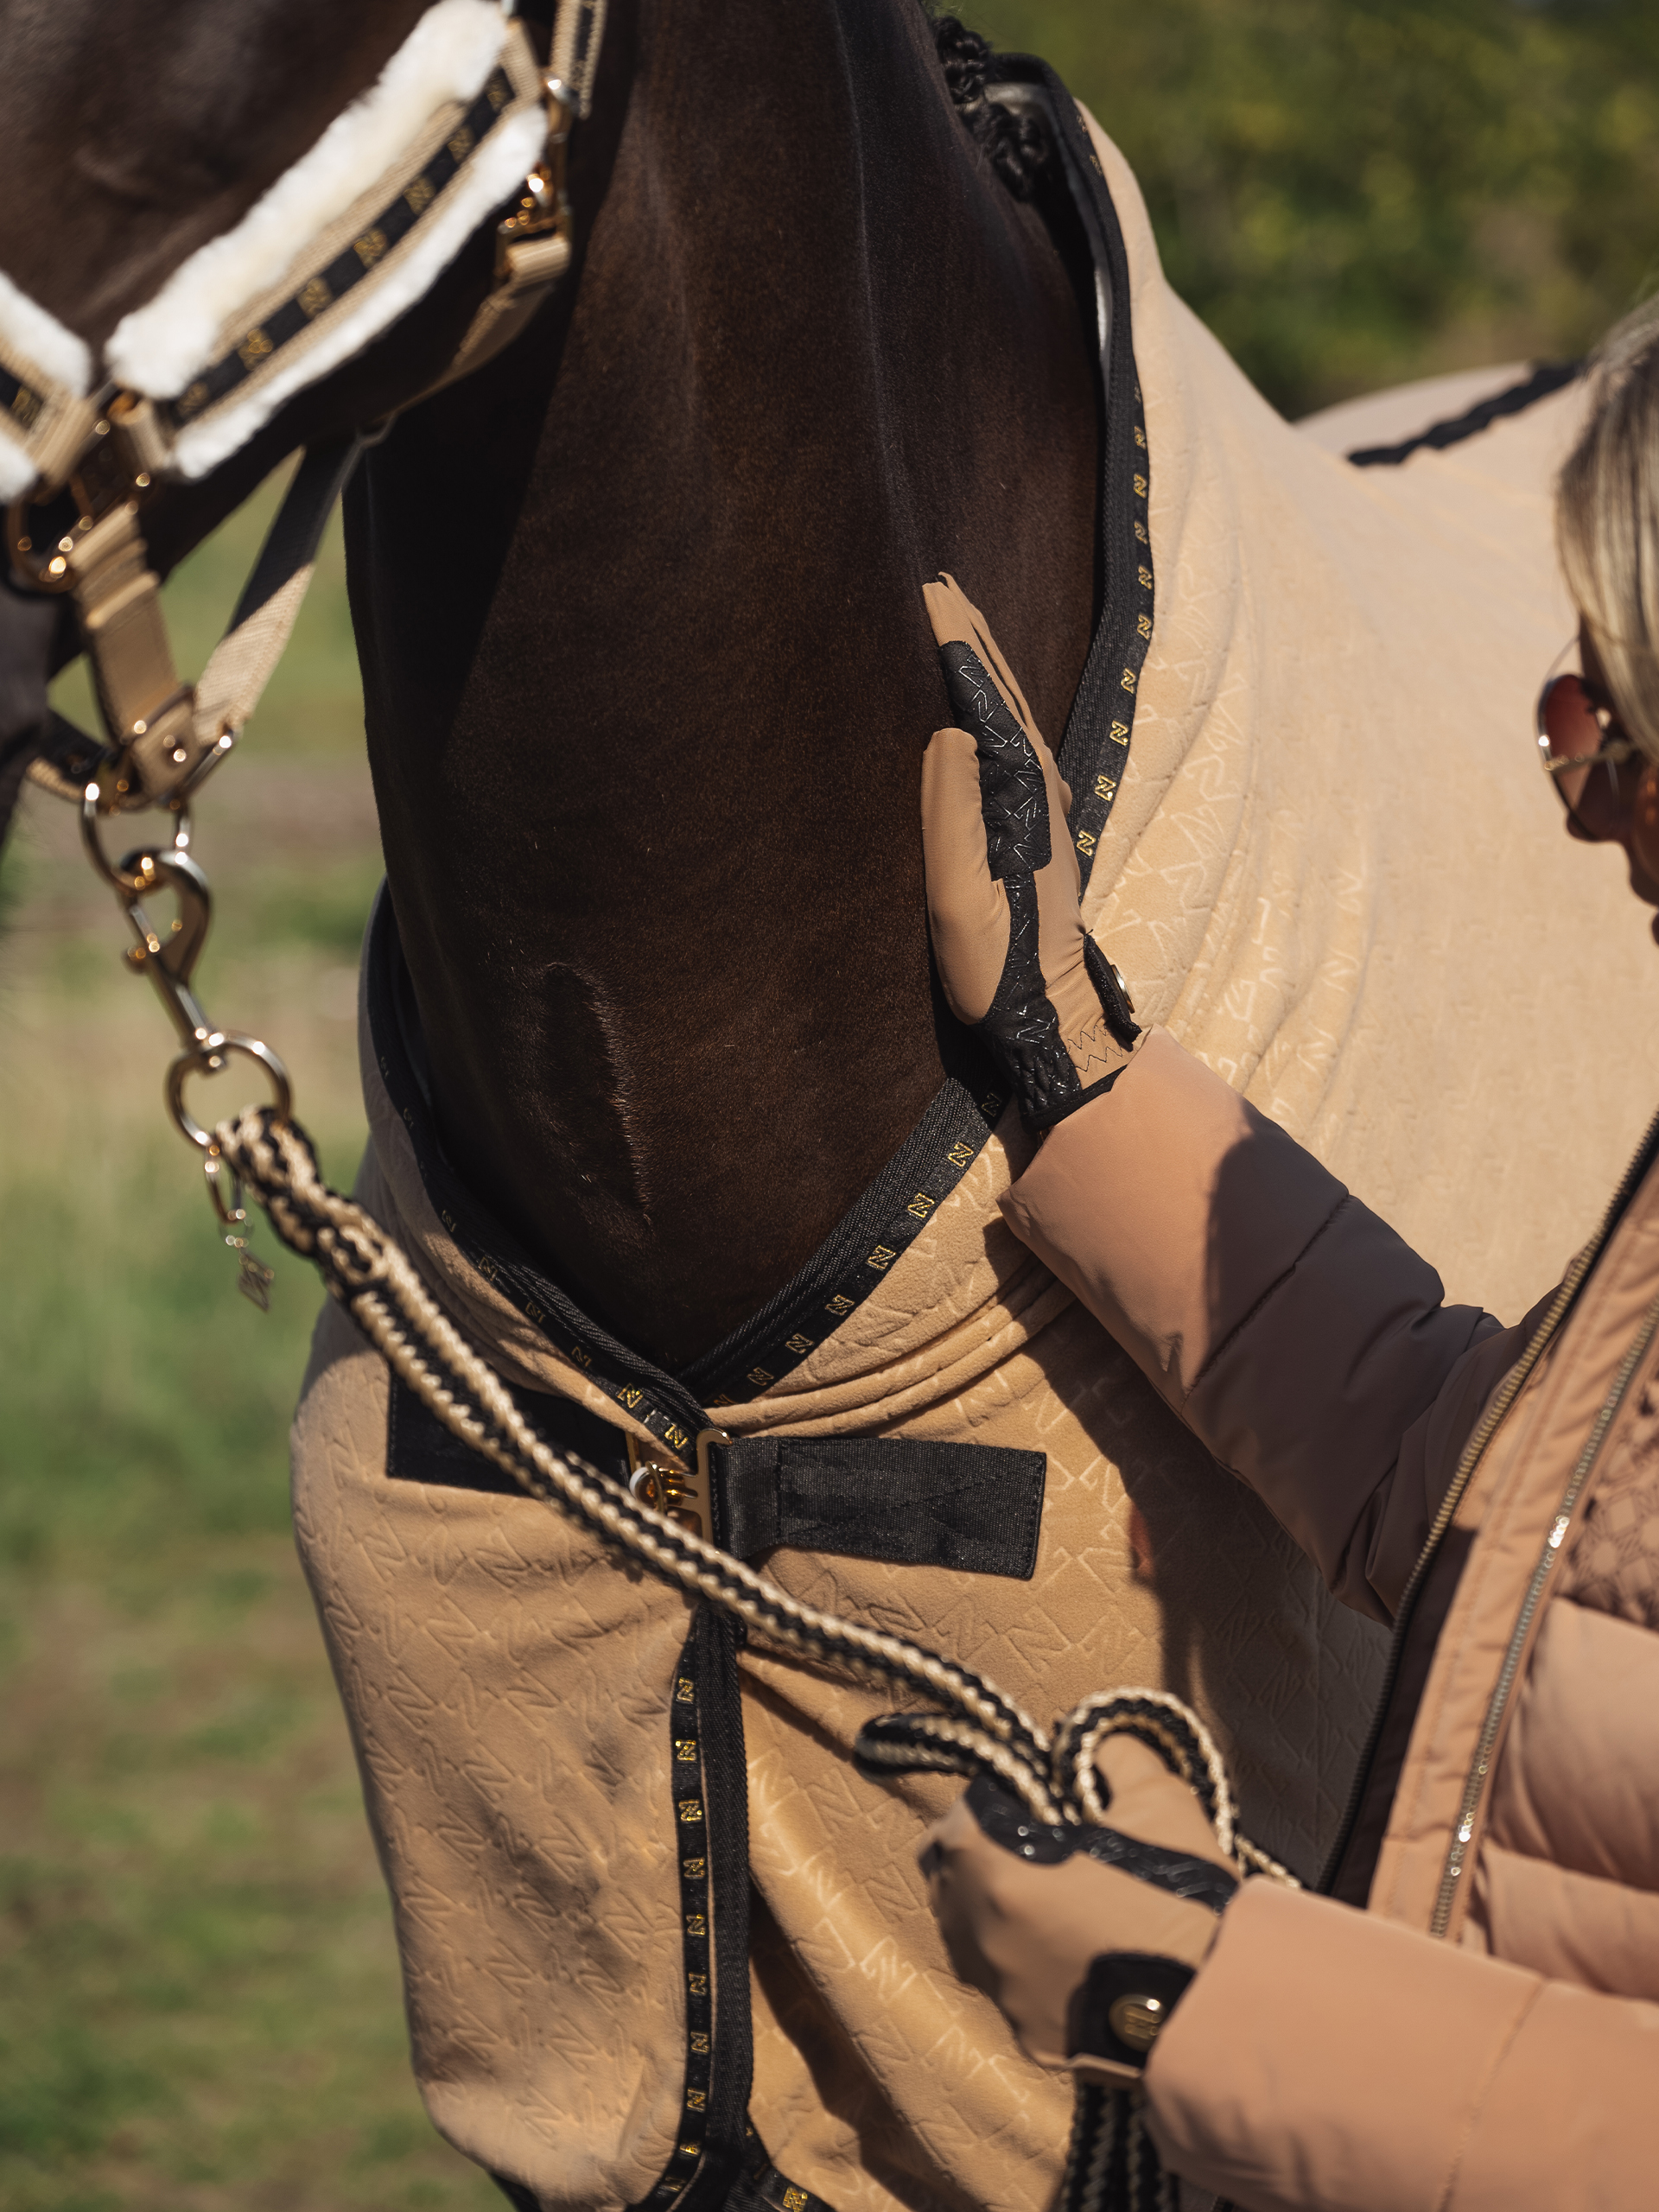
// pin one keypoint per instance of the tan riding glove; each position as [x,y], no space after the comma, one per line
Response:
[1003,886]
[1085,1938]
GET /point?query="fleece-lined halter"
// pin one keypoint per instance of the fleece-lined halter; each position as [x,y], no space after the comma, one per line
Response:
[461,118]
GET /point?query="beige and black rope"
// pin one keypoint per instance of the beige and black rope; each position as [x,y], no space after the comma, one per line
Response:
[977,1730]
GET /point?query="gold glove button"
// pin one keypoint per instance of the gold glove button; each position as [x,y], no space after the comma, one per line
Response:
[1136,2020]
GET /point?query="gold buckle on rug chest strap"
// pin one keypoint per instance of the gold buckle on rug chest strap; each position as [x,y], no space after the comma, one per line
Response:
[679,1492]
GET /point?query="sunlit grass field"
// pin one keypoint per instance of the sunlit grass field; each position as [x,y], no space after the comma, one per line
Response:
[199,1998]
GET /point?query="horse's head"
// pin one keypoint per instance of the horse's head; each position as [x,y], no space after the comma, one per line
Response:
[229,236]
[133,133]
[818,340]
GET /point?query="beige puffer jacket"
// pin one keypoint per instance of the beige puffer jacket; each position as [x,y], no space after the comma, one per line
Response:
[1486,2037]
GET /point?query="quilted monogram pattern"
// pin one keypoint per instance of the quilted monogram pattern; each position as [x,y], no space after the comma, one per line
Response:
[1612,1559]
[1323,872]
[507,1684]
[507,1689]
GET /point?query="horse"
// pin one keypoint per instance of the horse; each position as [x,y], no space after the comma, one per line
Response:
[653,1048]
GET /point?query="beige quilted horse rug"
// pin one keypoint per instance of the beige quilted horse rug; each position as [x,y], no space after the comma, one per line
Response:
[1335,871]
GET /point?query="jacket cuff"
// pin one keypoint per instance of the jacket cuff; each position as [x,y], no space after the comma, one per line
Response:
[1325,2061]
[1126,1199]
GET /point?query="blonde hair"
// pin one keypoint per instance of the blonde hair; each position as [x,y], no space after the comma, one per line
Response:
[1607,520]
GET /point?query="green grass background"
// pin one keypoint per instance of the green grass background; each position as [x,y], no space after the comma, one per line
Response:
[199,2003]
[199,1998]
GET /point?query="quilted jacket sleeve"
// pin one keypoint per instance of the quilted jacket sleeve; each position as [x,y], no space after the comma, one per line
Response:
[1307,1344]
[1381,2069]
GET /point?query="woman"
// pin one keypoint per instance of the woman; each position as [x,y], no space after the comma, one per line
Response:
[1484,2031]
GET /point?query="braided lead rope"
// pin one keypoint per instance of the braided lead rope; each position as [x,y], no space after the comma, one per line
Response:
[378,1284]
[1150,2187]
[980,1730]
[1112,2165]
[1096,2120]
[916,1742]
[1170,1728]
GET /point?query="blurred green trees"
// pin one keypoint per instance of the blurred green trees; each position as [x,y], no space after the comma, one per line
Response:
[1355,192]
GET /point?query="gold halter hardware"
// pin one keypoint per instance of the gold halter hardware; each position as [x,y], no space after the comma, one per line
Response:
[99,554]
[679,1492]
[169,961]
[665,1489]
[543,211]
[78,531]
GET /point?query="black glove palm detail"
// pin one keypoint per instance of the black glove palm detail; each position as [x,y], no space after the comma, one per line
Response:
[1003,890]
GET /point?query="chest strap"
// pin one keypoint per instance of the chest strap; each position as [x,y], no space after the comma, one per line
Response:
[976,1508]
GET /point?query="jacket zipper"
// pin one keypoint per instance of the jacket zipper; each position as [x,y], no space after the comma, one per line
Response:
[1475,1787]
[1497,1412]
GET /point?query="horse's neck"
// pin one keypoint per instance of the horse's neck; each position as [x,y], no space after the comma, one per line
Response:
[648,671]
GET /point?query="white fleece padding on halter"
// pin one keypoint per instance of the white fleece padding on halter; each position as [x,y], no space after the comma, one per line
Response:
[25,324]
[160,345]
[494,174]
[28,329]
[17,469]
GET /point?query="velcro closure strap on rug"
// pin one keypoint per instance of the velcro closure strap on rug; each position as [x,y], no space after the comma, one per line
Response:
[974,1507]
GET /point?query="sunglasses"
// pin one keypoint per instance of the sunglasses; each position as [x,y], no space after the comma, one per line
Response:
[1607,784]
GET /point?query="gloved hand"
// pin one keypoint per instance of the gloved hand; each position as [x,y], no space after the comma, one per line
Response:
[1086,1938]
[1003,886]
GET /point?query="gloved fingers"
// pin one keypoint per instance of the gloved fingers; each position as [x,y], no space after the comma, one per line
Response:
[1065,998]
[953,1865]
[956,620]
[1153,1805]
[953,1910]
[1024,1933]
[967,909]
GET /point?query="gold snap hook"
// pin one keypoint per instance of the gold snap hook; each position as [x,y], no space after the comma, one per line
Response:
[169,960]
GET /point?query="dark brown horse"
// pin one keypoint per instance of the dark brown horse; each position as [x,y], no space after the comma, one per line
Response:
[647,671]
[648,678]
[647,667]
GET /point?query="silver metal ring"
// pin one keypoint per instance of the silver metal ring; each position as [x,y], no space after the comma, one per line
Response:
[208,1059]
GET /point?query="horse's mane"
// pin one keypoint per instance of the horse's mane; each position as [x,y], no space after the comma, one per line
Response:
[1014,141]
